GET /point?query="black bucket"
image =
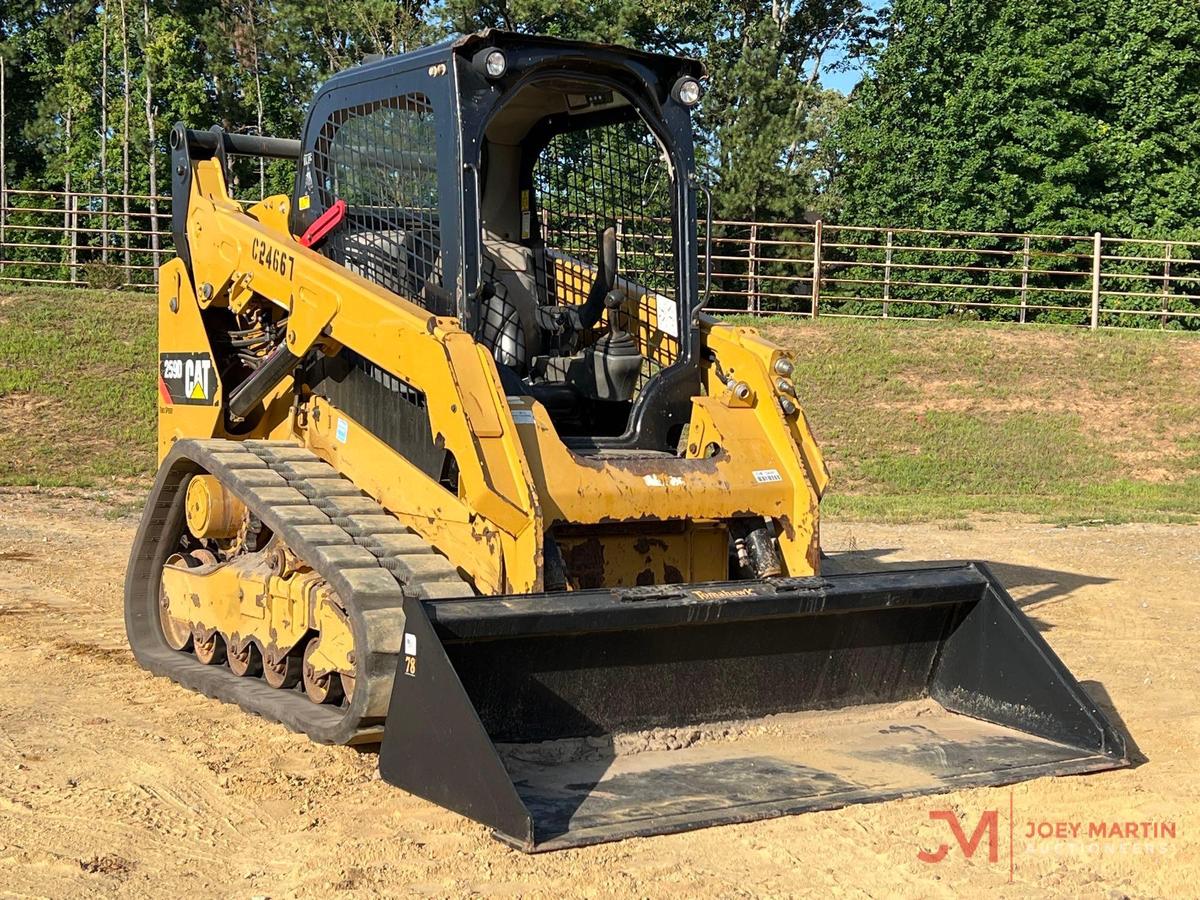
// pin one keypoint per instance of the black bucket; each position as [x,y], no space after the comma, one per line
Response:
[570,719]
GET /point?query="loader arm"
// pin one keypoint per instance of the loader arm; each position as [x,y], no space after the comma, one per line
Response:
[328,307]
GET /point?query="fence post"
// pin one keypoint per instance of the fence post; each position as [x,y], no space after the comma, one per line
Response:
[816,269]
[1024,278]
[73,204]
[1096,281]
[1166,291]
[3,176]
[66,225]
[887,273]
[753,303]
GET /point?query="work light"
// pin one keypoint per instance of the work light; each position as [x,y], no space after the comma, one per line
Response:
[495,64]
[686,91]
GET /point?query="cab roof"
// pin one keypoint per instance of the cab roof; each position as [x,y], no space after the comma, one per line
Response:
[665,67]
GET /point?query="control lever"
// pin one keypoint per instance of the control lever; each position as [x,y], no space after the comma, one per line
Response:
[571,321]
[613,301]
[606,278]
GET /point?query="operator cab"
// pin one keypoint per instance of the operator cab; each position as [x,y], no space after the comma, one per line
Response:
[541,191]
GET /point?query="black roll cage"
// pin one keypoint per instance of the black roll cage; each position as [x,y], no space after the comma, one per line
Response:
[465,100]
[645,81]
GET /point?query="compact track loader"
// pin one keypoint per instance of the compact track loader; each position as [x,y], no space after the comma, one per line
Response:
[452,460]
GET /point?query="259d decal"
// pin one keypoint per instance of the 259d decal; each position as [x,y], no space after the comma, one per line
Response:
[187,378]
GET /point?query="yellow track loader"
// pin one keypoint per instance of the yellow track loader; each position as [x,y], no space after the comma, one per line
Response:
[453,461]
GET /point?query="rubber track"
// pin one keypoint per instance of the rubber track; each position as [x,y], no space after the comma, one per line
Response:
[369,558]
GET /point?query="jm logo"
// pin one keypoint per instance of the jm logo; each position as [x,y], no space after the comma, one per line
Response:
[988,824]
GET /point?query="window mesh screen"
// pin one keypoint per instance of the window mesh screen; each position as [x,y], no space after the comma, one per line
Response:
[381,158]
[612,175]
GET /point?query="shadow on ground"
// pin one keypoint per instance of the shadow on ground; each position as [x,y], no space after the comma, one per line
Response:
[1100,696]
[1033,587]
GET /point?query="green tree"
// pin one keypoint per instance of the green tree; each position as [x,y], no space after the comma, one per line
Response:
[766,114]
[763,122]
[1004,115]
[1151,139]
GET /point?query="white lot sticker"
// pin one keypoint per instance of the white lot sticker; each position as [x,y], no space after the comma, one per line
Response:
[410,644]
[767,476]
[667,311]
[666,481]
[343,430]
[523,416]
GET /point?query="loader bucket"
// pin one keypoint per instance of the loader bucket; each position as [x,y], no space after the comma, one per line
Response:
[576,718]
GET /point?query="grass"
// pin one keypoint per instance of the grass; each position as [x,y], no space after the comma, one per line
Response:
[943,421]
[77,370]
[919,421]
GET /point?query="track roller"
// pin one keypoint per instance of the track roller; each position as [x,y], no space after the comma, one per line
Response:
[319,688]
[245,661]
[326,526]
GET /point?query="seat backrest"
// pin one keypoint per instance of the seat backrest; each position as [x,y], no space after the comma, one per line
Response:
[508,320]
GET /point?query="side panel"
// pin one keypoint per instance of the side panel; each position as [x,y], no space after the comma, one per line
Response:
[191,393]
[181,335]
[389,408]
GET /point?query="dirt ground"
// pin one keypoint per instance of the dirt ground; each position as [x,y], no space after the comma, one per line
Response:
[116,783]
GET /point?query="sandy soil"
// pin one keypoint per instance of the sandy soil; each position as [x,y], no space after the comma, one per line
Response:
[115,783]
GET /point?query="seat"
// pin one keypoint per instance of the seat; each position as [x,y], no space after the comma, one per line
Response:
[508,311]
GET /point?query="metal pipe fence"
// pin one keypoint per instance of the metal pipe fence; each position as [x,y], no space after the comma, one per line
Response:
[84,239]
[803,269]
[822,269]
